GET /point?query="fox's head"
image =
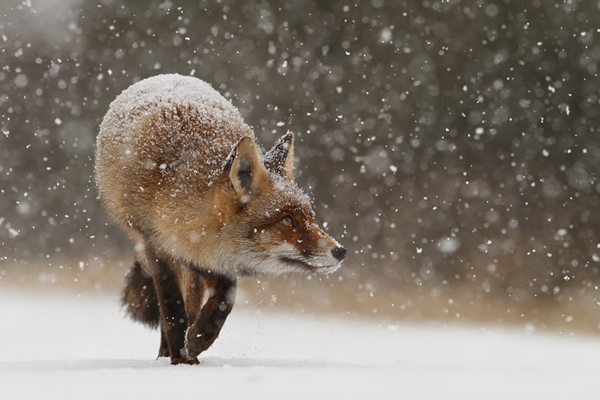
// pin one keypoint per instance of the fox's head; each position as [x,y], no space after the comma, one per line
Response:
[267,222]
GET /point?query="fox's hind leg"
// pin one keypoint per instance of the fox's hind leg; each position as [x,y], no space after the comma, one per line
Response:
[206,328]
[141,303]
[163,351]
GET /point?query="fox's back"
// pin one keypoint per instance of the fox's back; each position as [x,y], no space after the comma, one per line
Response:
[162,138]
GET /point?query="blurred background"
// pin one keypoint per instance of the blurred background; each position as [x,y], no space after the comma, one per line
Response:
[451,145]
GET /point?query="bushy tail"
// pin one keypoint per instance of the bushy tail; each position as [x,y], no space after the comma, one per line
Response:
[139,297]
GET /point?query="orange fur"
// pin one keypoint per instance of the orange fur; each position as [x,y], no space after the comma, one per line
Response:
[161,174]
[179,170]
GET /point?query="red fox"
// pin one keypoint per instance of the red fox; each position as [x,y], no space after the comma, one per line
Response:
[179,170]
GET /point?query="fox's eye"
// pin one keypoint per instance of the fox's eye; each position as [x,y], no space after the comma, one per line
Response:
[287,221]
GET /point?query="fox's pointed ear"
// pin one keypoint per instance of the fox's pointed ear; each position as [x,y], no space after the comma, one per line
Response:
[280,159]
[246,173]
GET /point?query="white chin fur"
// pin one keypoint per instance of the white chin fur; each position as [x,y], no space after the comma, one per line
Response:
[329,270]
[322,262]
[283,259]
[276,264]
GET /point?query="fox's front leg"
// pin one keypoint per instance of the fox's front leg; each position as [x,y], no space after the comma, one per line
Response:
[173,319]
[203,332]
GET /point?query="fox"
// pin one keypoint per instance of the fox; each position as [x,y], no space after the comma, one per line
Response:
[180,172]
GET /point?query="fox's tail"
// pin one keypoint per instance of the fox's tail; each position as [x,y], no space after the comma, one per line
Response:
[139,297]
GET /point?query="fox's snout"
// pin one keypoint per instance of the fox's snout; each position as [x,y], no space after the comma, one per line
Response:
[339,253]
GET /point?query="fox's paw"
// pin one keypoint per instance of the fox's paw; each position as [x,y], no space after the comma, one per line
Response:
[186,360]
[196,343]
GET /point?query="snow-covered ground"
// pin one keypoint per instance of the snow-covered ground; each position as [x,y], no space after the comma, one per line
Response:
[68,346]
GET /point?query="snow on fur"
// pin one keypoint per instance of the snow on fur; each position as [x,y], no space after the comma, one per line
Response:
[173,93]
[168,89]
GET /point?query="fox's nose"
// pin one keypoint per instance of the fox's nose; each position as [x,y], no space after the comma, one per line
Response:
[339,253]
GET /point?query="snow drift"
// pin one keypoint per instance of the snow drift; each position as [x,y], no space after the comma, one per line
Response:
[81,346]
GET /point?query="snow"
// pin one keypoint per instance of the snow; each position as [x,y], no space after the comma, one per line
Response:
[169,89]
[68,346]
[188,115]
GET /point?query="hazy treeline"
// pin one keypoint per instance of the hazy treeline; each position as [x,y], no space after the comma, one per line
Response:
[447,143]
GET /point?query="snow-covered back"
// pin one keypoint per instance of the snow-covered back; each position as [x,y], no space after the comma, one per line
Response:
[164,90]
[186,115]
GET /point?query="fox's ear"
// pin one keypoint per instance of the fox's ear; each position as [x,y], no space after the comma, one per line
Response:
[280,159]
[246,173]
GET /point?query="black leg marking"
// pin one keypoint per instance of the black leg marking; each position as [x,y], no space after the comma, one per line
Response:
[163,351]
[172,312]
[203,332]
